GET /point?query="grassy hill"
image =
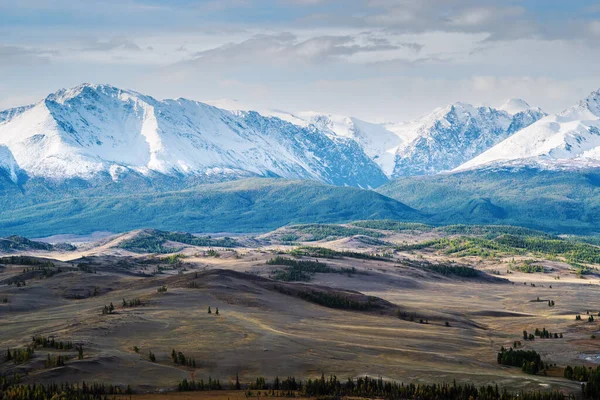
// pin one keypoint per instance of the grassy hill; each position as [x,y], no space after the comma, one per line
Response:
[555,201]
[251,205]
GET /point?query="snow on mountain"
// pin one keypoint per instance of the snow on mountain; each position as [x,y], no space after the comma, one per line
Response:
[8,164]
[378,142]
[452,135]
[514,106]
[570,139]
[92,130]
[439,141]
[13,112]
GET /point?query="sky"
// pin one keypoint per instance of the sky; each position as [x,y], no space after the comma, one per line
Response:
[379,60]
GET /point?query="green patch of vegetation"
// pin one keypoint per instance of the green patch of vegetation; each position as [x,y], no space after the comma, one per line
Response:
[153,241]
[247,205]
[529,361]
[551,201]
[331,300]
[302,270]
[51,343]
[132,303]
[447,269]
[591,377]
[527,266]
[180,359]
[550,248]
[323,231]
[490,231]
[323,252]
[395,226]
[289,237]
[19,356]
[27,260]
[455,270]
[297,270]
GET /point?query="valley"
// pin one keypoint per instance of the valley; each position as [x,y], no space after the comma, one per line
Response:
[402,301]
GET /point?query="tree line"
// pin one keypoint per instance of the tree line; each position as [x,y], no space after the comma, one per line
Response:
[376,388]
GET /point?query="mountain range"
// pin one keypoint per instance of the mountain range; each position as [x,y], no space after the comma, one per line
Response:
[94,132]
[98,157]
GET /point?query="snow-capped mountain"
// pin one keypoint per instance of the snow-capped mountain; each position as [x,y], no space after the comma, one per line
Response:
[378,142]
[452,135]
[439,141]
[569,139]
[99,130]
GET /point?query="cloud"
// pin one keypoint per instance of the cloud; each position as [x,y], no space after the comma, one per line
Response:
[17,55]
[115,43]
[287,48]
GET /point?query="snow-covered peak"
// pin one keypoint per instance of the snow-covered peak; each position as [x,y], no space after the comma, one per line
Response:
[570,138]
[514,106]
[451,135]
[592,103]
[93,130]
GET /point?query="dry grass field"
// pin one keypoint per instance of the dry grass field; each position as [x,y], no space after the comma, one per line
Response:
[266,328]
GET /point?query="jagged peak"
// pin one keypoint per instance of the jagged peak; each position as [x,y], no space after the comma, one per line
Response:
[592,102]
[92,89]
[514,106]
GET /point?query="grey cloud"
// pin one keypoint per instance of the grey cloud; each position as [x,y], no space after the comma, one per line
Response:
[17,55]
[286,47]
[115,43]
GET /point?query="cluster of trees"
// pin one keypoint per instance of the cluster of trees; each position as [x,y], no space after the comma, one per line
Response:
[572,251]
[108,309]
[322,252]
[55,361]
[51,343]
[331,300]
[324,231]
[590,389]
[378,388]
[456,270]
[18,356]
[297,270]
[64,391]
[528,267]
[162,289]
[576,373]
[190,386]
[529,361]
[446,269]
[516,244]
[151,356]
[49,272]
[86,268]
[542,334]
[132,303]
[391,225]
[180,359]
[213,253]
[153,242]
[26,260]
[216,311]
